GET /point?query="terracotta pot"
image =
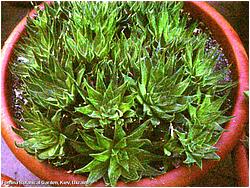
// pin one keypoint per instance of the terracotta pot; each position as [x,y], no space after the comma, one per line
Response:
[181,176]
[6,181]
[241,163]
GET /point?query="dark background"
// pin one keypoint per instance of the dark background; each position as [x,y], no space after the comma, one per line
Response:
[237,13]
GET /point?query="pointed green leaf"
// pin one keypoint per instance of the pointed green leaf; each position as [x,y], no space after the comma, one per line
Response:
[80,147]
[92,93]
[91,124]
[137,143]
[150,171]
[23,133]
[114,171]
[121,144]
[85,109]
[100,85]
[90,141]
[104,156]
[123,160]
[119,132]
[103,141]
[192,111]
[49,153]
[96,174]
[138,132]
[89,167]
[131,175]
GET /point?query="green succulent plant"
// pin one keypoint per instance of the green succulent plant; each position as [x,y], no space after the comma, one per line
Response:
[107,104]
[42,135]
[120,156]
[119,90]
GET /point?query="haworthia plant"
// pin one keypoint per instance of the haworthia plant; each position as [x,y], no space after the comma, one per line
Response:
[119,90]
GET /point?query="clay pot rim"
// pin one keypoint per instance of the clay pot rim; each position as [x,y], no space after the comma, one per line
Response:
[241,163]
[181,176]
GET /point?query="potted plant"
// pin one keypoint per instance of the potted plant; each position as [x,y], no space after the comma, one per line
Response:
[108,105]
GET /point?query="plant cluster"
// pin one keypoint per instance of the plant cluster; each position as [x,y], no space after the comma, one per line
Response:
[119,90]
